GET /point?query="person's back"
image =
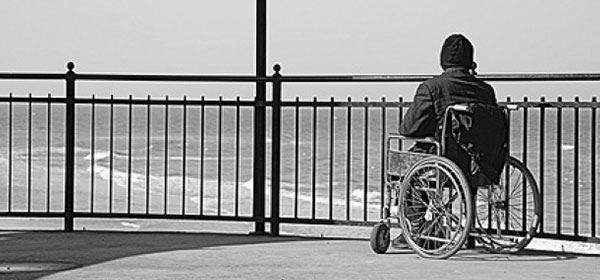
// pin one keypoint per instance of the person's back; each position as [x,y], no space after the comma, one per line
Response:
[456,85]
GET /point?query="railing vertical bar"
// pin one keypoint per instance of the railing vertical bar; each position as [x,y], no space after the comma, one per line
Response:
[576,170]
[183,160]
[148,118]
[331,155]
[166,166]
[237,155]
[400,116]
[129,139]
[10,162]
[558,167]
[276,152]
[93,151]
[382,164]
[507,175]
[70,131]
[201,191]
[314,159]
[348,156]
[220,132]
[296,153]
[593,169]
[110,183]
[29,155]
[49,154]
[524,158]
[542,162]
[366,162]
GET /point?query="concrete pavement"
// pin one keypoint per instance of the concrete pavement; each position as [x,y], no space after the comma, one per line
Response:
[136,255]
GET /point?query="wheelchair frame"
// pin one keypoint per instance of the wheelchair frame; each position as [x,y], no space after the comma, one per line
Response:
[400,194]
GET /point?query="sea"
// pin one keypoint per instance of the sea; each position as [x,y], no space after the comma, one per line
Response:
[216,178]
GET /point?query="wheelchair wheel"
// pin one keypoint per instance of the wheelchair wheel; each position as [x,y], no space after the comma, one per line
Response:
[435,208]
[380,238]
[508,214]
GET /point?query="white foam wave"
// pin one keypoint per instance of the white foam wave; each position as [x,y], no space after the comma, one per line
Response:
[567,147]
[120,178]
[97,156]
[131,225]
[356,201]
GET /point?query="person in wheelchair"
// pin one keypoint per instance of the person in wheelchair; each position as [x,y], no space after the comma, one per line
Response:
[476,151]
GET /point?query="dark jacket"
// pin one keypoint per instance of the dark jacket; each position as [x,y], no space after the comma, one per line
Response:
[425,118]
[454,86]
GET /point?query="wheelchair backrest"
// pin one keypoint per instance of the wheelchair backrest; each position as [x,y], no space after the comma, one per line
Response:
[475,137]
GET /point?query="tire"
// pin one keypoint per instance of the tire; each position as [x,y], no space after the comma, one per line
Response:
[495,205]
[435,208]
[380,238]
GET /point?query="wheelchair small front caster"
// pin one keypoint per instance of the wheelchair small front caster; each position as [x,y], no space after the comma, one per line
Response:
[380,238]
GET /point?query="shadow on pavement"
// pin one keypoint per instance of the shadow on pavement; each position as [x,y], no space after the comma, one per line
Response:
[523,256]
[30,255]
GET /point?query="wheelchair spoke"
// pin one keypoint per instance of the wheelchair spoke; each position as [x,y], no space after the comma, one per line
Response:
[420,201]
[451,199]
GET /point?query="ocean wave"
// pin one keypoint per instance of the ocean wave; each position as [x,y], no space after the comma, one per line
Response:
[356,198]
[567,147]
[103,155]
[121,178]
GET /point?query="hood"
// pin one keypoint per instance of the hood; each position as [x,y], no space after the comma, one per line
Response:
[457,51]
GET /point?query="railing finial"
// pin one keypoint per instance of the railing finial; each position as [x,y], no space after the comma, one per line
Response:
[70,66]
[277,68]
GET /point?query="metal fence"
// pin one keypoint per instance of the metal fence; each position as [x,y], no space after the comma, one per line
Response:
[324,158]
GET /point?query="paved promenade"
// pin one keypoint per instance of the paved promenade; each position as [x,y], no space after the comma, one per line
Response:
[135,255]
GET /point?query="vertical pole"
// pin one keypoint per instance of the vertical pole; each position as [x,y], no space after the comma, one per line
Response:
[260,119]
[559,166]
[276,151]
[576,170]
[70,146]
[593,167]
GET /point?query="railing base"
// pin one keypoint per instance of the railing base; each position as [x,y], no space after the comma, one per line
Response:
[258,233]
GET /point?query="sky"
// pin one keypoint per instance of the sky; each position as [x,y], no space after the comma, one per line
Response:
[305,36]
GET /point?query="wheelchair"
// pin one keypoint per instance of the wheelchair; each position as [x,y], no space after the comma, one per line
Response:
[430,199]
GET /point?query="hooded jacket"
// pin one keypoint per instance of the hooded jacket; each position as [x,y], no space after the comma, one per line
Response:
[454,86]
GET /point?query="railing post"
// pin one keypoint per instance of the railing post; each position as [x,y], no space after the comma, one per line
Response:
[276,151]
[69,146]
[258,210]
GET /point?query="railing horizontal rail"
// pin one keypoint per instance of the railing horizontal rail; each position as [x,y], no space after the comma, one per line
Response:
[34,99]
[32,76]
[419,78]
[164,102]
[36,214]
[171,78]
[137,77]
[164,216]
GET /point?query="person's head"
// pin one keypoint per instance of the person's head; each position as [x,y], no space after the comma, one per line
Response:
[457,51]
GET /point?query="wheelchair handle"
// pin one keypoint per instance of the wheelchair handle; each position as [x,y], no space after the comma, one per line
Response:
[512,107]
[460,107]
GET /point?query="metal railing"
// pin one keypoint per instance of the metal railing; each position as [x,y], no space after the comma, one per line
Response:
[327,172]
